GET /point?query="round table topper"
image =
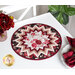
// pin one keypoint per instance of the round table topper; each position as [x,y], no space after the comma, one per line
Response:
[36,41]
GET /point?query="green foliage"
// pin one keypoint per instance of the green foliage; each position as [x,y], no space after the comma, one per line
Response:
[62,12]
[0,27]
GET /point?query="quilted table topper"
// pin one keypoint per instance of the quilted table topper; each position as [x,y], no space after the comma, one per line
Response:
[36,41]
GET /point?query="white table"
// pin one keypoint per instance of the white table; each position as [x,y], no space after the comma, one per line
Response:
[53,62]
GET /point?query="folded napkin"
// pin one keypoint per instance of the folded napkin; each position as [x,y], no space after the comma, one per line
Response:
[69,57]
[71,41]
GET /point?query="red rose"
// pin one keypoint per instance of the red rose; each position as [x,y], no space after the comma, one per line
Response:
[6,22]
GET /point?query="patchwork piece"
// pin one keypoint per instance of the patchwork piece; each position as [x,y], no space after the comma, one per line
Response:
[36,41]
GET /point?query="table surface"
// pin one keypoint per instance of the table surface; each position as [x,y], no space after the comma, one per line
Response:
[53,62]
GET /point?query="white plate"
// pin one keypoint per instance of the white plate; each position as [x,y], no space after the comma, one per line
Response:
[64,50]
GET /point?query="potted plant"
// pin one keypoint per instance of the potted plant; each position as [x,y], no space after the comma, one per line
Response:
[61,12]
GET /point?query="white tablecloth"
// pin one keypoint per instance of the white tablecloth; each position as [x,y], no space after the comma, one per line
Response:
[53,62]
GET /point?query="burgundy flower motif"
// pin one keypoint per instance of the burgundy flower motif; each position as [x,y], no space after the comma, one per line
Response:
[34,45]
[38,42]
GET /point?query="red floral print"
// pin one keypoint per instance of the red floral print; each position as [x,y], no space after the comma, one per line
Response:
[33,34]
[38,42]
[34,45]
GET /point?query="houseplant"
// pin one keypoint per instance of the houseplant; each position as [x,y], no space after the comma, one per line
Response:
[61,12]
[6,22]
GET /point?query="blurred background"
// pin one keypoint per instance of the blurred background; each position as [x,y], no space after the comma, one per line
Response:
[42,9]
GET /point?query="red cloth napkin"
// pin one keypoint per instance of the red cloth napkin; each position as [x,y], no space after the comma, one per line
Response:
[70,55]
[71,41]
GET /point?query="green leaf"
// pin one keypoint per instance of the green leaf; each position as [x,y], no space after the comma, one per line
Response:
[0,27]
[53,8]
[55,14]
[60,18]
[62,12]
[65,18]
[70,11]
[61,8]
